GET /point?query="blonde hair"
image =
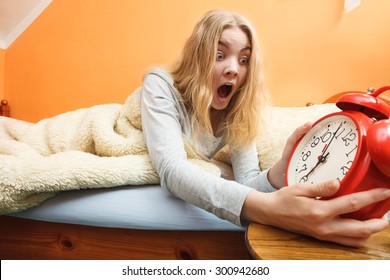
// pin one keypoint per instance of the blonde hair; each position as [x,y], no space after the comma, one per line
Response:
[193,77]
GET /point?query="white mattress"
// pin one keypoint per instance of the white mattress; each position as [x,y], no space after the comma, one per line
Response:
[134,207]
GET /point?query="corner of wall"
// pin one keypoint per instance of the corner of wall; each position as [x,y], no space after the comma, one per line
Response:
[19,29]
[2,72]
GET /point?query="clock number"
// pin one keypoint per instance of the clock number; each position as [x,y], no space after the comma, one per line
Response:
[304,167]
[306,155]
[304,179]
[315,142]
[349,138]
[344,169]
[341,132]
[326,136]
[348,154]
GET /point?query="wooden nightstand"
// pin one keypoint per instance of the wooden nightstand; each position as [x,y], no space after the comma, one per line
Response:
[269,243]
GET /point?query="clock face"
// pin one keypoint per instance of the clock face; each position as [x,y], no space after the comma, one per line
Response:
[326,152]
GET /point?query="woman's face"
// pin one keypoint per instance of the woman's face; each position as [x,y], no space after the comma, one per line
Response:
[231,66]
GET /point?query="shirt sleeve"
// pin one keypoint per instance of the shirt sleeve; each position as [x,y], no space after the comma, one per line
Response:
[245,163]
[162,128]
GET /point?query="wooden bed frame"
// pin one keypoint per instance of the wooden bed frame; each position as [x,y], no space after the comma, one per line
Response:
[4,108]
[31,239]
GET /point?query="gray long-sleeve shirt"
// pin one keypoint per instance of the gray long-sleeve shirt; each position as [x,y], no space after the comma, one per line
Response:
[164,121]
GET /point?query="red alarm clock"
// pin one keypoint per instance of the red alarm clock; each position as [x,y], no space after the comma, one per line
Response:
[352,146]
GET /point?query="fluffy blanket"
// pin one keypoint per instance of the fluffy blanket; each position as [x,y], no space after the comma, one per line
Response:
[97,147]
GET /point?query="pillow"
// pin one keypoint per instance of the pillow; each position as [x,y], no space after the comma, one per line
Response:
[280,123]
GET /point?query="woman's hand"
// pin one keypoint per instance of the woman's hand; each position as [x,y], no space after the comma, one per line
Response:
[296,209]
[276,174]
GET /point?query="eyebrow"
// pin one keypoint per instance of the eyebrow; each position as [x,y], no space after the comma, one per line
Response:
[226,44]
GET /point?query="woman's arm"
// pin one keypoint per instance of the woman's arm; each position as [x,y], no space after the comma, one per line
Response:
[163,121]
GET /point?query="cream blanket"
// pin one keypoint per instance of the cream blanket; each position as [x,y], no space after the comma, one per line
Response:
[97,147]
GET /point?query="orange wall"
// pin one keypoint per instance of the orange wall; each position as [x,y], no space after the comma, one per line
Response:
[2,56]
[81,53]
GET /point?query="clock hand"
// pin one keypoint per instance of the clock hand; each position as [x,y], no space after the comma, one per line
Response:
[334,135]
[323,151]
[321,159]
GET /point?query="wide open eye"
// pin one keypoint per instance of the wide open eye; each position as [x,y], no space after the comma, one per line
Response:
[244,60]
[220,56]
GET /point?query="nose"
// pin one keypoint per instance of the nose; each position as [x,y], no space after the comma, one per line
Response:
[231,68]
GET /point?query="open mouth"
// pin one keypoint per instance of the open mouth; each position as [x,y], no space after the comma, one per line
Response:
[224,91]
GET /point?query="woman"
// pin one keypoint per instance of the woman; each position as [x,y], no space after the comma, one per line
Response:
[213,95]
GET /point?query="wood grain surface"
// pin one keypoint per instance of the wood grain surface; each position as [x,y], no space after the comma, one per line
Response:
[30,239]
[269,243]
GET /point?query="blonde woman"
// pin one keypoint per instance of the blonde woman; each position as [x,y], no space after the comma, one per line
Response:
[213,95]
